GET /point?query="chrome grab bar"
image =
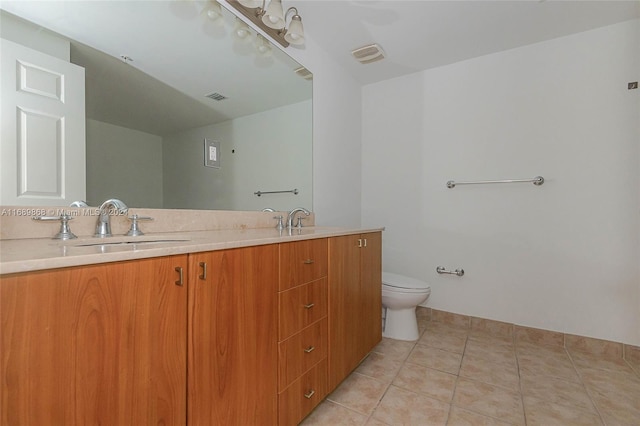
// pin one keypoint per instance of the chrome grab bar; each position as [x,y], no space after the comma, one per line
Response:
[442,270]
[538,180]
[293,191]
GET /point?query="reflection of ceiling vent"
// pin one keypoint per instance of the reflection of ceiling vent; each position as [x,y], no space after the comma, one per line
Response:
[304,73]
[216,96]
[368,54]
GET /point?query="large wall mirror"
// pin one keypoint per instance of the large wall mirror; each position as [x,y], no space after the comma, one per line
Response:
[181,110]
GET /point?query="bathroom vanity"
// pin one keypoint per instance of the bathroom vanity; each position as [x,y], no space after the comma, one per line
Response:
[227,327]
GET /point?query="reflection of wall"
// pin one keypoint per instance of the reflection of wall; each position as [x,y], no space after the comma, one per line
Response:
[27,34]
[124,164]
[562,256]
[267,148]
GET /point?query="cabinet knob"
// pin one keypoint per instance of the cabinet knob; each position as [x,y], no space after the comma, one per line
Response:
[309,394]
[308,261]
[309,305]
[310,349]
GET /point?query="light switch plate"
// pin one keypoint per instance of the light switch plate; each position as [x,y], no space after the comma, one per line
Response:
[211,153]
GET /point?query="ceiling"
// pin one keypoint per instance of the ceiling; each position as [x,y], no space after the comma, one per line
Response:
[174,42]
[418,35]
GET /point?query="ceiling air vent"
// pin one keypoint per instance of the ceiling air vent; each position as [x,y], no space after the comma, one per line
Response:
[216,96]
[304,73]
[368,54]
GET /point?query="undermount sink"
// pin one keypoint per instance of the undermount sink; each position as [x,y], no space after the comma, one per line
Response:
[112,241]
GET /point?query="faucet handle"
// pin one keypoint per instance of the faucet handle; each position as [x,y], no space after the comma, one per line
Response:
[65,231]
[300,219]
[280,225]
[135,231]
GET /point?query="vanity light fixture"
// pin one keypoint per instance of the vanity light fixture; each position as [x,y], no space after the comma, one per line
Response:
[272,19]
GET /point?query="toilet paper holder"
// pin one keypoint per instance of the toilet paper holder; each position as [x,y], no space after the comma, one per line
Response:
[442,270]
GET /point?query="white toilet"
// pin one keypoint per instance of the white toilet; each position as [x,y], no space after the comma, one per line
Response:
[400,297]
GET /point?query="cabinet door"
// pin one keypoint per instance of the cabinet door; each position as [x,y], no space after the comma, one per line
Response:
[233,329]
[344,298]
[371,292]
[101,344]
[355,301]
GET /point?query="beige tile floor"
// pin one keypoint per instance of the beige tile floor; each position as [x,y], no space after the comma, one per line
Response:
[464,376]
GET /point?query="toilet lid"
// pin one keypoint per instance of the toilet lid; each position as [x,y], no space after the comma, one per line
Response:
[401,281]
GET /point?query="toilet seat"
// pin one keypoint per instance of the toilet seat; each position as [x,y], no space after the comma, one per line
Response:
[403,284]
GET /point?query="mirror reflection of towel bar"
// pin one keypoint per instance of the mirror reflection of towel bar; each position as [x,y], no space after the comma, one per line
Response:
[442,270]
[538,180]
[293,191]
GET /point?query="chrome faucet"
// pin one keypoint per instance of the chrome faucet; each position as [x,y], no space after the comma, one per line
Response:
[292,215]
[103,229]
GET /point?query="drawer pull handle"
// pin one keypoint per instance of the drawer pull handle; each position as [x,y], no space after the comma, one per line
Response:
[309,394]
[180,272]
[308,261]
[309,306]
[203,276]
[310,349]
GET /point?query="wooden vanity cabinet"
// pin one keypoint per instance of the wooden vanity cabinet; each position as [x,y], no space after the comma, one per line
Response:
[256,335]
[99,344]
[232,337]
[355,301]
[302,330]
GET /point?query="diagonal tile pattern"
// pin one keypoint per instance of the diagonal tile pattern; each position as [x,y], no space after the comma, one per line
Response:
[469,371]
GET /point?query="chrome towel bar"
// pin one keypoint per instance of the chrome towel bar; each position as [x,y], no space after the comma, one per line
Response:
[538,180]
[442,270]
[293,191]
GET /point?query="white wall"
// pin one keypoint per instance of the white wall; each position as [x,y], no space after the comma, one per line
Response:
[268,151]
[337,112]
[563,256]
[124,164]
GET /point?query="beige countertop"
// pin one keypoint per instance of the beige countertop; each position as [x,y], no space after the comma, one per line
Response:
[32,254]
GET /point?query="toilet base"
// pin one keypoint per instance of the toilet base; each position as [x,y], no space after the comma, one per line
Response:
[401,324]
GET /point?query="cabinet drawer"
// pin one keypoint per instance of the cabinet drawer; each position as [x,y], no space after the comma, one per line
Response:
[302,262]
[301,306]
[301,351]
[303,395]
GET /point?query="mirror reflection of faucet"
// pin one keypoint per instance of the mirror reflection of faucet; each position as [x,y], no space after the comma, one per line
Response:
[292,215]
[280,225]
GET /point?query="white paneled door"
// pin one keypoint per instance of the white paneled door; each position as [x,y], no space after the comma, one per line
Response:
[42,150]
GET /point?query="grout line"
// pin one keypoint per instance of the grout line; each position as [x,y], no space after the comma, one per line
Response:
[578,373]
[524,409]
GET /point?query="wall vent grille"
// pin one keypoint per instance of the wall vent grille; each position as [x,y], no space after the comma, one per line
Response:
[368,54]
[216,96]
